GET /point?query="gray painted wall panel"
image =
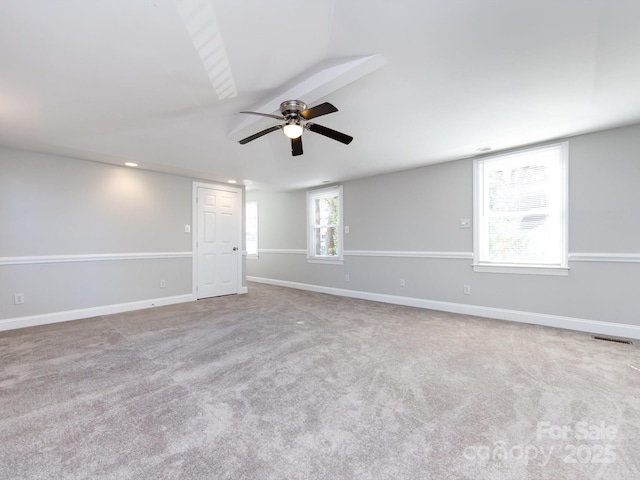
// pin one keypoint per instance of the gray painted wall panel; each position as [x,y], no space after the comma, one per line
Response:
[604,191]
[60,287]
[420,210]
[279,224]
[56,206]
[417,210]
[53,206]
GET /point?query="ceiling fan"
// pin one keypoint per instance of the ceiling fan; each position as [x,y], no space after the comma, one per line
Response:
[295,116]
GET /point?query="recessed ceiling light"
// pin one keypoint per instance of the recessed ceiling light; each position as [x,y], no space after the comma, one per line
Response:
[131,164]
[484,149]
[232,181]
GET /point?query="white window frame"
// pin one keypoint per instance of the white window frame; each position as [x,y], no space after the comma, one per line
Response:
[311,256]
[479,224]
[252,255]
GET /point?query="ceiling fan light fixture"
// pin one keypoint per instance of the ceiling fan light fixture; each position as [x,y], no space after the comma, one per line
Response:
[292,129]
[294,113]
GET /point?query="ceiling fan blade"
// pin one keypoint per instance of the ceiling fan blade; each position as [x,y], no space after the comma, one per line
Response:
[259,134]
[327,132]
[277,117]
[318,110]
[296,146]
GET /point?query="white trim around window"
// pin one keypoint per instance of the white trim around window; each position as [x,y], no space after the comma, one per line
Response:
[535,210]
[321,224]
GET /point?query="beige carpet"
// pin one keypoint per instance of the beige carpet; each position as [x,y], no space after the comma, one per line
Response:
[285,384]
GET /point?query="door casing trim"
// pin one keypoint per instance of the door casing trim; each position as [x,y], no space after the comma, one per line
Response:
[194,233]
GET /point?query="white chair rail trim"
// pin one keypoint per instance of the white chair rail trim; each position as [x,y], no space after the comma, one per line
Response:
[573,257]
[605,257]
[376,253]
[93,257]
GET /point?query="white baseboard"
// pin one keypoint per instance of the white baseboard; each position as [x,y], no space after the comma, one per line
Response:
[556,321]
[44,319]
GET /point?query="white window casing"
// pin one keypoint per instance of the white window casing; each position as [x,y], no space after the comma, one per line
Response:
[324,226]
[521,211]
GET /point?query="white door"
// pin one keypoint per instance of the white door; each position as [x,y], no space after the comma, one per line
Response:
[217,242]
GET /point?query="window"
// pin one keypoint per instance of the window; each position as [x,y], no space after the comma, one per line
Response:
[252,228]
[324,233]
[520,212]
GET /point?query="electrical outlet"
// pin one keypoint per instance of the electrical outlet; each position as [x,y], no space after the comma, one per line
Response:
[402,282]
[467,290]
[18,299]
[163,283]
[187,229]
[346,277]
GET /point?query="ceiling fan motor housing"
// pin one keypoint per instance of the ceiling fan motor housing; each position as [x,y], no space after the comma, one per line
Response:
[292,108]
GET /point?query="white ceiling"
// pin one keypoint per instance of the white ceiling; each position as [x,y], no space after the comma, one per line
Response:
[143,80]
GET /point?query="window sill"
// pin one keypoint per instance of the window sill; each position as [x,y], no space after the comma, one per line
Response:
[326,261]
[522,269]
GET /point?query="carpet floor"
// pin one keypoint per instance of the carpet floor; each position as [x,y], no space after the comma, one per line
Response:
[288,384]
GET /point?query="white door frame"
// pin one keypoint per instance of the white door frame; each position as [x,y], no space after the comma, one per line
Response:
[194,233]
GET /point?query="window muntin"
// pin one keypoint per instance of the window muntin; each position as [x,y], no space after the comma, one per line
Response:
[521,209]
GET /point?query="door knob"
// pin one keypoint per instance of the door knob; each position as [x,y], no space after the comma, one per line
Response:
[235,249]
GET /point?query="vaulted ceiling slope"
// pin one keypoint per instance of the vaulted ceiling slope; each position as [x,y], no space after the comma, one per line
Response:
[161,82]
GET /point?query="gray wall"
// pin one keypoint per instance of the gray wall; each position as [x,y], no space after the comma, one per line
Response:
[53,206]
[420,211]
